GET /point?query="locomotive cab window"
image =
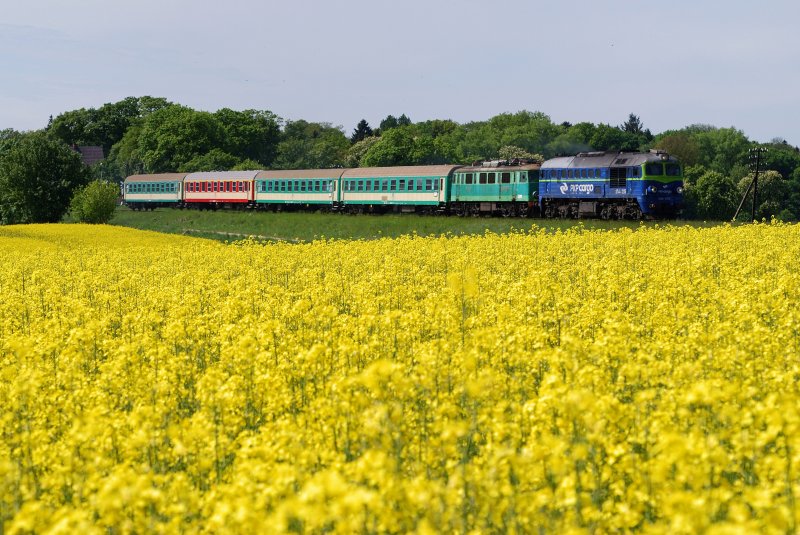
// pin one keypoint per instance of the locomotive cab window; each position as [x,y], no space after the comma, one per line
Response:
[654,169]
[492,178]
[673,169]
[468,178]
[505,178]
[523,177]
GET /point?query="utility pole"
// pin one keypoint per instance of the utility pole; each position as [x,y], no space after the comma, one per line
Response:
[755,165]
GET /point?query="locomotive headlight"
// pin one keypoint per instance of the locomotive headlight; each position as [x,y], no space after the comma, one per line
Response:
[679,190]
[652,189]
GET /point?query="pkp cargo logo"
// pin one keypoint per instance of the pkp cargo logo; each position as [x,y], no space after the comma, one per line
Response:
[576,188]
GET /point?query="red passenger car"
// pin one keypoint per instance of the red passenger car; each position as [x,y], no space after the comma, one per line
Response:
[219,188]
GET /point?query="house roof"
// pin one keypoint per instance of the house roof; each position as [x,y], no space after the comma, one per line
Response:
[90,154]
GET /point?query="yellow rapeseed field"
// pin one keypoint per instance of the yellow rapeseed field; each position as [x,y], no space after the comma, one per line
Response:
[581,382]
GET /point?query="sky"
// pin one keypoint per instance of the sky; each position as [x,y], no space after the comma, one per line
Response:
[724,63]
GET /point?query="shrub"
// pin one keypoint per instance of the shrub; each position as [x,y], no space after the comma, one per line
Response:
[95,203]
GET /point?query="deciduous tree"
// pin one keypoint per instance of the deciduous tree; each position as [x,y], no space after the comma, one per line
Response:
[38,175]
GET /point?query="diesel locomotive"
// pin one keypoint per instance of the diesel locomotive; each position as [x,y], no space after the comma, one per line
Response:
[608,185]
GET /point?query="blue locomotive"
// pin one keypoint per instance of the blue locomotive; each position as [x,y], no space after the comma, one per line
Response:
[612,185]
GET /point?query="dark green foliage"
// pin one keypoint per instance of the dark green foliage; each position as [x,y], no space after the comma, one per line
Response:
[388,123]
[125,156]
[213,160]
[607,137]
[106,125]
[633,125]
[7,138]
[38,175]
[311,146]
[95,203]
[714,195]
[392,148]
[721,149]
[362,131]
[781,157]
[400,146]
[250,134]
[792,202]
[171,137]
[773,191]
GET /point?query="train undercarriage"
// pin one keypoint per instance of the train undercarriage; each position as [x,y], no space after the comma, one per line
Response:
[606,209]
[504,209]
[603,208]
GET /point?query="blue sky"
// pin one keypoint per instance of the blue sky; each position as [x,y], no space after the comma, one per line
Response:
[672,63]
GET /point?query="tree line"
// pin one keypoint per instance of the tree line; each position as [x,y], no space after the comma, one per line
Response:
[154,135]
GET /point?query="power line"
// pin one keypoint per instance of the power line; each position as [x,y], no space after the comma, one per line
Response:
[755,165]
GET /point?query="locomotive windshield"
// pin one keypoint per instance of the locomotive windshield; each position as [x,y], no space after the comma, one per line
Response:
[654,169]
[673,169]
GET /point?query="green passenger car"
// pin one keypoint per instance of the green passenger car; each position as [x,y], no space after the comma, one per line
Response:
[496,187]
[418,188]
[311,188]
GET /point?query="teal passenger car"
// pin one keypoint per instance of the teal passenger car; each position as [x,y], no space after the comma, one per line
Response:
[509,188]
[416,188]
[298,188]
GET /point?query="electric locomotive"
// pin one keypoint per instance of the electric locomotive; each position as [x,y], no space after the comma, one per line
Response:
[612,185]
[508,188]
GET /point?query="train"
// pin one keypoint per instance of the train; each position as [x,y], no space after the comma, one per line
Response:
[606,185]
